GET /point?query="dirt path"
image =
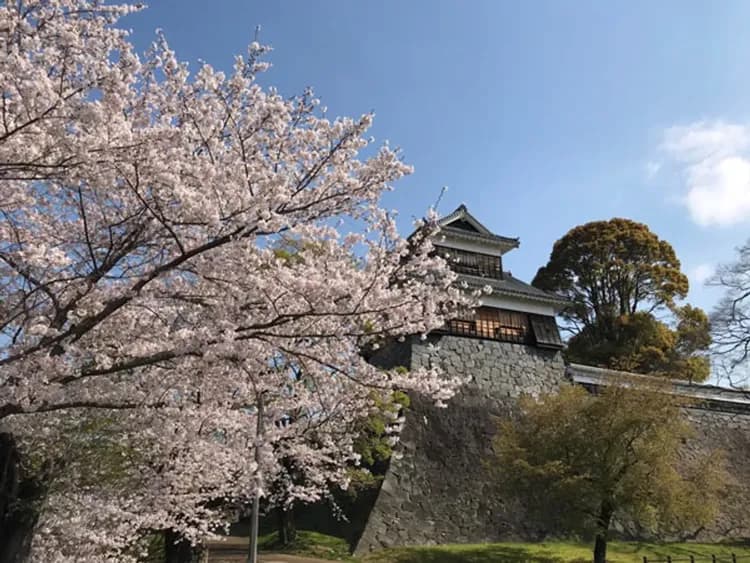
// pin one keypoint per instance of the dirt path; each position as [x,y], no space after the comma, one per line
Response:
[281,558]
[234,550]
[222,556]
[264,558]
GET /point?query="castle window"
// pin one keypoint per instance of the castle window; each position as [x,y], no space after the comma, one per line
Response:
[472,263]
[545,331]
[493,324]
[508,326]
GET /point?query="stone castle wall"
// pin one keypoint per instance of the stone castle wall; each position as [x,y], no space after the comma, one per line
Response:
[437,489]
[728,432]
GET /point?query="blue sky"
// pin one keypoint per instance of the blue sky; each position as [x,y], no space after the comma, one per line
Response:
[539,115]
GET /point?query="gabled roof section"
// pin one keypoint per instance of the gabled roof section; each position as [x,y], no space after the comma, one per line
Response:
[462,215]
[513,287]
[463,224]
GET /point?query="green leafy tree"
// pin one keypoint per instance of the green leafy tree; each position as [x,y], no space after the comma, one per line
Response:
[375,440]
[580,461]
[618,275]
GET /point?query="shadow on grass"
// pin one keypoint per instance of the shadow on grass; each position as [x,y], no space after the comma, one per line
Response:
[333,548]
[560,552]
[480,554]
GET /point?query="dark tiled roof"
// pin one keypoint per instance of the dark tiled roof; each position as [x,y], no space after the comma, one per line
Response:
[463,225]
[457,222]
[513,286]
[462,233]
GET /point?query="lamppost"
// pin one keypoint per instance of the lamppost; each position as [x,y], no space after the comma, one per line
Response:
[252,554]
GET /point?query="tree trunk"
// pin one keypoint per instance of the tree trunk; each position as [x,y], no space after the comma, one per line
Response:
[176,548]
[287,529]
[600,548]
[19,496]
[602,532]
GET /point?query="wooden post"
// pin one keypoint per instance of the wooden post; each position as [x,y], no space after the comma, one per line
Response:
[713,558]
[669,559]
[645,559]
[252,554]
[734,558]
[692,559]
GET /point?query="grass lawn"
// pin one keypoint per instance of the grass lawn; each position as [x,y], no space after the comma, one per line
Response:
[327,547]
[309,544]
[552,552]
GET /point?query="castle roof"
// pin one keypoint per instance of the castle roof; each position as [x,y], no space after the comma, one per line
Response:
[714,396]
[463,225]
[513,287]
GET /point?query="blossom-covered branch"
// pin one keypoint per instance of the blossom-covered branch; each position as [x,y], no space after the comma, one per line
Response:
[166,239]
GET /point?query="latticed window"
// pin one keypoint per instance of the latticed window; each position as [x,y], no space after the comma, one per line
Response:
[494,324]
[545,332]
[502,325]
[508,326]
[472,263]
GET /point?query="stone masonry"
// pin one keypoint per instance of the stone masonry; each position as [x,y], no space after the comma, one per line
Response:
[728,432]
[437,489]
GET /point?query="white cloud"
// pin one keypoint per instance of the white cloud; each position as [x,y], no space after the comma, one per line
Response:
[714,158]
[700,274]
[704,139]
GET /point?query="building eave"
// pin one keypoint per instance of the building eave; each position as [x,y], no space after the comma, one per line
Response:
[708,394]
[496,240]
[482,234]
[477,282]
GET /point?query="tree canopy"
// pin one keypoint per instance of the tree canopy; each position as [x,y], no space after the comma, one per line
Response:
[578,461]
[141,208]
[619,276]
[608,269]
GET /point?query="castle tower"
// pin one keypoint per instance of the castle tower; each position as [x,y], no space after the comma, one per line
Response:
[515,311]
[437,489]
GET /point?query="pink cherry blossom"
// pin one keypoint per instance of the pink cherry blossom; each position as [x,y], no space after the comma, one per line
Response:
[173,247]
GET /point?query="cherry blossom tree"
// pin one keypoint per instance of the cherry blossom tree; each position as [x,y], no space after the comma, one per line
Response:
[146,303]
